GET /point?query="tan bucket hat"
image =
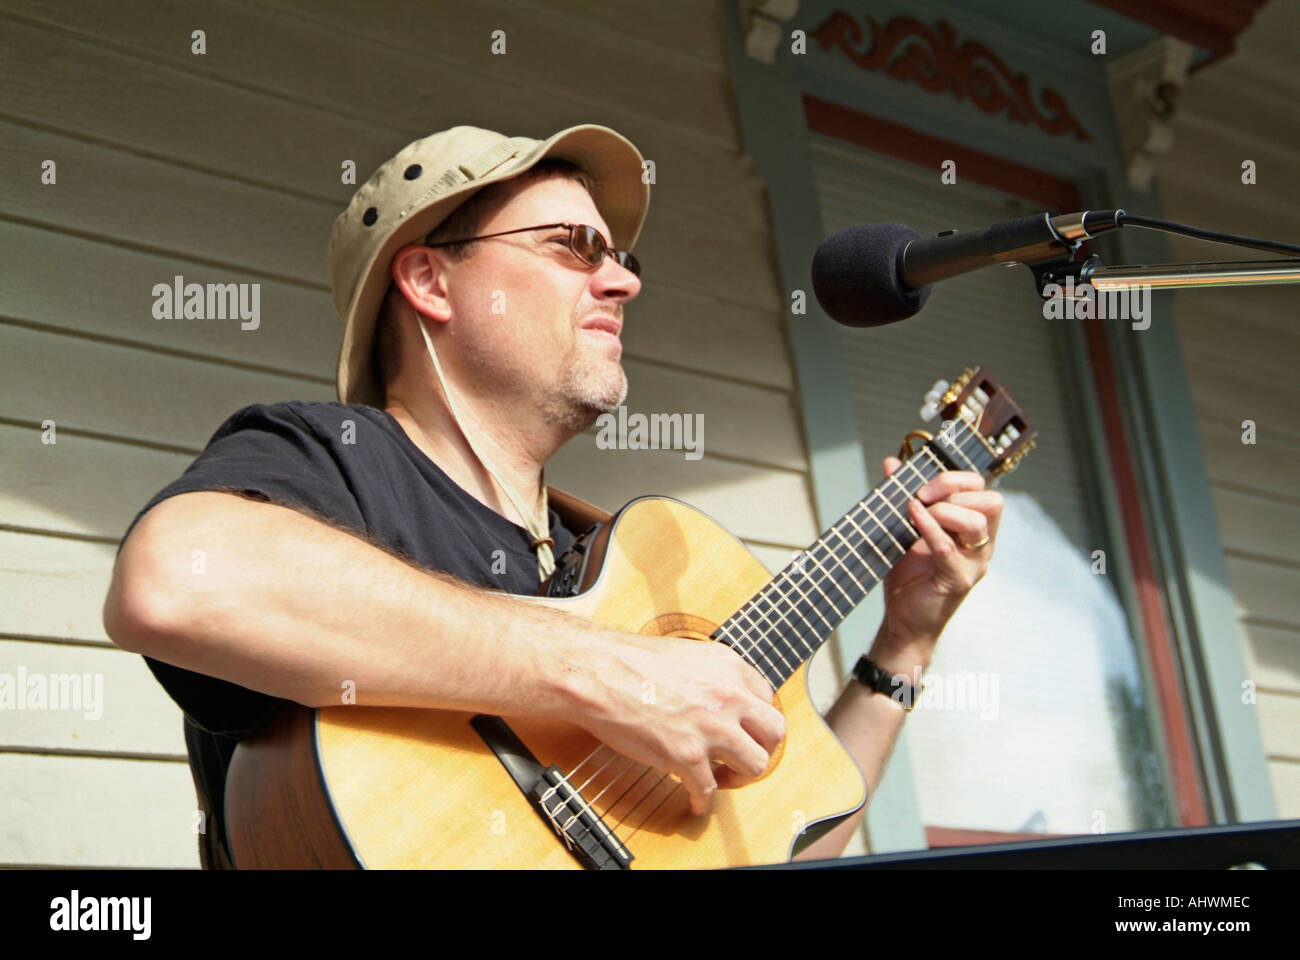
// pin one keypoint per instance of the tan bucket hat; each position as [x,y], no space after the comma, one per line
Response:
[418,188]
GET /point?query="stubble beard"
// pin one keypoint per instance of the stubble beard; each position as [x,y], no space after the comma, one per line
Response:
[589,386]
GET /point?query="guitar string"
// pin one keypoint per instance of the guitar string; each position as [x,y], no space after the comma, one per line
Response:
[662,778]
[590,757]
[587,805]
[776,586]
[631,764]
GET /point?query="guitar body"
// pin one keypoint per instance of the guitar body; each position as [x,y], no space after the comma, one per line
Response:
[378,787]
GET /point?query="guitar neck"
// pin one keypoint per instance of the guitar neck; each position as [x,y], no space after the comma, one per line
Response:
[783,625]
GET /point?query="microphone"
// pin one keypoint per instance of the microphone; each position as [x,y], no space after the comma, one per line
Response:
[878,273]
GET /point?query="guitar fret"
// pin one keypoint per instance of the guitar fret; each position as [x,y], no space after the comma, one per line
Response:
[791,606]
[821,593]
[924,479]
[794,607]
[812,604]
[901,549]
[906,496]
[883,558]
[852,553]
[775,647]
[758,646]
[833,581]
[746,613]
[961,453]
[773,587]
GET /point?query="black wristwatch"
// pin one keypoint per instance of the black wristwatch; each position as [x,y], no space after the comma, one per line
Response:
[895,686]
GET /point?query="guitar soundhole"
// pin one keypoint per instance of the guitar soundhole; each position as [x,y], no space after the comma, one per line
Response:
[697,628]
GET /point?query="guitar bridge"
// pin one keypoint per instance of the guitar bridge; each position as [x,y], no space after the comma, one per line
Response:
[578,825]
[569,814]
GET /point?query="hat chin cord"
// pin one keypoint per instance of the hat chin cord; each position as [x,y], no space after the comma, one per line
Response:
[539,529]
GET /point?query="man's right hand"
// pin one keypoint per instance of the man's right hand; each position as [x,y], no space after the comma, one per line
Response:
[680,705]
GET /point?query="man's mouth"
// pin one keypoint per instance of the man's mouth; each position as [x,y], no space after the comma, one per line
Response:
[606,324]
[605,328]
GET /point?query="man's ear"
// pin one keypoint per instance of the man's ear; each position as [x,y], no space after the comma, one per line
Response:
[420,274]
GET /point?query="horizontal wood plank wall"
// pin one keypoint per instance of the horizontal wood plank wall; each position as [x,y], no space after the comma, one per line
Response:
[225,167]
[1241,350]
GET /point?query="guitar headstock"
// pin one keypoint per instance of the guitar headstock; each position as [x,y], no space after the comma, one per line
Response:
[979,401]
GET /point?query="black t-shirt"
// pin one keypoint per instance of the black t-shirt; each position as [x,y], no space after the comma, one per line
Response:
[355,466]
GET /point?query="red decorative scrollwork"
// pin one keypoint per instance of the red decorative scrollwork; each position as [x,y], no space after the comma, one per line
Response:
[907,49]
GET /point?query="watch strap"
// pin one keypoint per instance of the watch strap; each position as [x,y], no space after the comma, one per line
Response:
[895,686]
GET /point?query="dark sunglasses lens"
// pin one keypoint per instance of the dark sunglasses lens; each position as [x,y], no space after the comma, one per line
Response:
[629,262]
[589,245]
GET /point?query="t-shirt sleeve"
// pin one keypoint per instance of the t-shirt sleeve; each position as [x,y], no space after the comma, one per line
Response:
[270,452]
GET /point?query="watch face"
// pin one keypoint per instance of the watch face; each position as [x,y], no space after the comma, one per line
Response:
[868,673]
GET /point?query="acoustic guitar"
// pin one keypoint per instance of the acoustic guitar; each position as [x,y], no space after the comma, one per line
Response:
[357,786]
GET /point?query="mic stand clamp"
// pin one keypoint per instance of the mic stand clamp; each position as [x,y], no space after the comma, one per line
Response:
[1066,275]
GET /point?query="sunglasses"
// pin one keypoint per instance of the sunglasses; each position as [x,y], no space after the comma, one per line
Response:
[586,243]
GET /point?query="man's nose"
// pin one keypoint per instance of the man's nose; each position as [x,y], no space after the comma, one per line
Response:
[615,282]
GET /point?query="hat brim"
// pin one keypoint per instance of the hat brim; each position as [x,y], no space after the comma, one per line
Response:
[621,196]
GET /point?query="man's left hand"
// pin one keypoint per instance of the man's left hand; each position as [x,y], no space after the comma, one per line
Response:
[958,528]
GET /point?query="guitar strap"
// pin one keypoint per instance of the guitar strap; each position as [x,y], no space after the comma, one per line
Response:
[578,515]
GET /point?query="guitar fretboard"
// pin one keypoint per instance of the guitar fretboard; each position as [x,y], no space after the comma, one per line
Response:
[782,625]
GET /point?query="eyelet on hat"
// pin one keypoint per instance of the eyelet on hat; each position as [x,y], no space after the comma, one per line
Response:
[413,171]
[370,216]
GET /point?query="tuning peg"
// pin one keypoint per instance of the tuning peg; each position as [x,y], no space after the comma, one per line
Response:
[930,410]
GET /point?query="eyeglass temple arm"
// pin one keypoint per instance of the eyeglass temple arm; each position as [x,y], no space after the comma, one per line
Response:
[503,233]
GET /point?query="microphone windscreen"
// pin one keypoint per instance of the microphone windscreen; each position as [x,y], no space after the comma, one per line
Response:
[856,278]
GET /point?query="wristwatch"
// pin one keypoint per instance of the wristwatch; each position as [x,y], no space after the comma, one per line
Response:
[895,686]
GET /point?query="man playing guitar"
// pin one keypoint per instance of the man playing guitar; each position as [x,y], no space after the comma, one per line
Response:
[373,545]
